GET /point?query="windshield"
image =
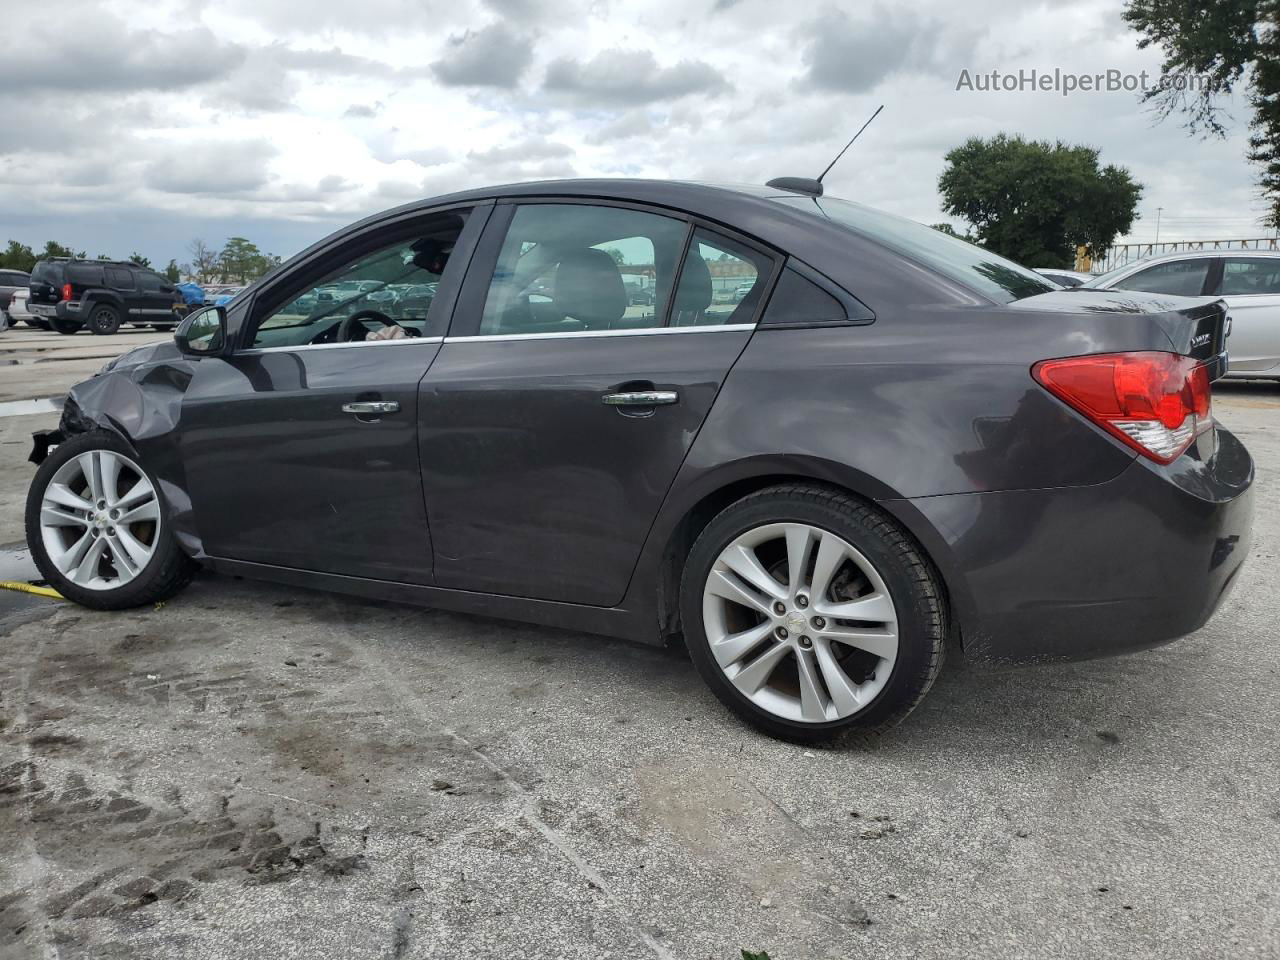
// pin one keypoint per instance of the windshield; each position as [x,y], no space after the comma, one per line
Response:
[990,274]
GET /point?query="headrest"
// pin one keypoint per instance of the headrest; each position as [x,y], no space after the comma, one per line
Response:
[694,293]
[588,287]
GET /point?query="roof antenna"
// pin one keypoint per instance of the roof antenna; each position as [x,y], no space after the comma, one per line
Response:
[813,188]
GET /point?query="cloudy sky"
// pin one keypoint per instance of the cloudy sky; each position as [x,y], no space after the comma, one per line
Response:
[281,120]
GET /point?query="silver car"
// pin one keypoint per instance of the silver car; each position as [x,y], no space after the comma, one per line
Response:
[1249,282]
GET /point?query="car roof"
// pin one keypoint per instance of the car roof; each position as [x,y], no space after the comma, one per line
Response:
[1199,254]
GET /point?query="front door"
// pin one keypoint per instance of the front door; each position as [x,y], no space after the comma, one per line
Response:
[301,448]
[586,350]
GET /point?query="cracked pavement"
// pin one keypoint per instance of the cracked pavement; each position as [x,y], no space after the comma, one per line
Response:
[252,771]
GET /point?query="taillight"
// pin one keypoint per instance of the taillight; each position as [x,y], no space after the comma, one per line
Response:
[1157,403]
[66,291]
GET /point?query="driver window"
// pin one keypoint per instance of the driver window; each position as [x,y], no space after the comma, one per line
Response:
[385,293]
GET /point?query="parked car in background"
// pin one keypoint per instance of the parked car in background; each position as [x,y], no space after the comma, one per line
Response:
[219,294]
[1065,278]
[18,311]
[894,441]
[1249,282]
[101,295]
[11,281]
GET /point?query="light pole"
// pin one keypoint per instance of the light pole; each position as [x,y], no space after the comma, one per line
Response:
[1158,212]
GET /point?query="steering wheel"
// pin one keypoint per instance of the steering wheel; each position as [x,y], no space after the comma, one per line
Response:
[348,325]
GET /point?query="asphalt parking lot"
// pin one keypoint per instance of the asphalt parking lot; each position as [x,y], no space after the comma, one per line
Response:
[251,771]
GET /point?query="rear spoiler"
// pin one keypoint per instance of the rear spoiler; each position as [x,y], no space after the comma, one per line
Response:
[1201,331]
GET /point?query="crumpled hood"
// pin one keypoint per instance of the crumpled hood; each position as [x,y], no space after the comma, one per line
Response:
[158,352]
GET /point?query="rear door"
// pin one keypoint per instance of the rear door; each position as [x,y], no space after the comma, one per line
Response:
[561,405]
[1251,288]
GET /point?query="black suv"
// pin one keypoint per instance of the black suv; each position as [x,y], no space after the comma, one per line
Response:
[101,295]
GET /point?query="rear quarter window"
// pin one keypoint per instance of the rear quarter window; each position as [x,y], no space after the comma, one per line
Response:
[50,273]
[802,297]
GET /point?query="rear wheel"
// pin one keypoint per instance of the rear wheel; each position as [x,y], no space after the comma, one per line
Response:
[97,528]
[65,327]
[104,320]
[811,614]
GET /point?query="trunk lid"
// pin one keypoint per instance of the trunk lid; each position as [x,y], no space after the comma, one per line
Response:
[1196,326]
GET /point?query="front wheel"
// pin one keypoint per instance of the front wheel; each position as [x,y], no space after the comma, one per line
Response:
[811,614]
[97,528]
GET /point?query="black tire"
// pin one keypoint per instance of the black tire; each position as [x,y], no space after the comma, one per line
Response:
[38,324]
[104,319]
[168,570]
[912,582]
[65,327]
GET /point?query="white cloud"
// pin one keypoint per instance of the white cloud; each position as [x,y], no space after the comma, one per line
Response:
[218,117]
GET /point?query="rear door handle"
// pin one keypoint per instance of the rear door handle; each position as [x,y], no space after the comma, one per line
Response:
[641,398]
[371,406]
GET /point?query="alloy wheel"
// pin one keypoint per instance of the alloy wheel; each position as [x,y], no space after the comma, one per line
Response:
[800,622]
[100,520]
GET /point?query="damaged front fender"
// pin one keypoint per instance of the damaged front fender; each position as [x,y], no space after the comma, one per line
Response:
[138,396]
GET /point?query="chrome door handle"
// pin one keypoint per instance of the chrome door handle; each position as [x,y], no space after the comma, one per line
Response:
[371,406]
[641,398]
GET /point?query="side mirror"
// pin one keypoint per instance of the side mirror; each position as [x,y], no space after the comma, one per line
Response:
[203,333]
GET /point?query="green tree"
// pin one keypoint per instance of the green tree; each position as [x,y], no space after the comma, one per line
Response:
[1209,50]
[242,262]
[140,260]
[1034,202]
[173,273]
[946,228]
[18,256]
[617,255]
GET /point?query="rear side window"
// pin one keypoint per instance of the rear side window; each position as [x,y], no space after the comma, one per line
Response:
[567,268]
[85,274]
[721,283]
[119,278]
[1181,278]
[1250,276]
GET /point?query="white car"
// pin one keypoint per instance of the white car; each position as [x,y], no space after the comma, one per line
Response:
[18,311]
[1248,280]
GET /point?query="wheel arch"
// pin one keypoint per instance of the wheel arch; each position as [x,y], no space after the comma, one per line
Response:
[680,524]
[145,419]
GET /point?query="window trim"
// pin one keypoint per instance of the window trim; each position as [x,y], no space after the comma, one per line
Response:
[257,351]
[468,310]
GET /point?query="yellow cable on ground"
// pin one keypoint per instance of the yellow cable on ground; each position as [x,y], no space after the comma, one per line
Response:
[30,588]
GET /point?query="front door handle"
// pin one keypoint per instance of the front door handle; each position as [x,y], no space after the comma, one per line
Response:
[371,406]
[641,398]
